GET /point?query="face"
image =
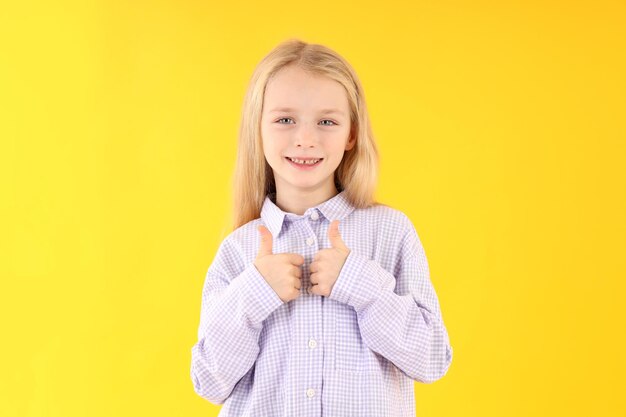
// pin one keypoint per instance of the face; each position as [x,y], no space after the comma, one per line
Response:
[297,122]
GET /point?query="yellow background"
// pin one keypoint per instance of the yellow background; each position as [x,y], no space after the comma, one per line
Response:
[502,136]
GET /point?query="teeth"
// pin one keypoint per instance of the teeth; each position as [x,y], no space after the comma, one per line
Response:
[302,162]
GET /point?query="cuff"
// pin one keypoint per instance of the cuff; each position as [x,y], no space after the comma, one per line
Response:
[359,283]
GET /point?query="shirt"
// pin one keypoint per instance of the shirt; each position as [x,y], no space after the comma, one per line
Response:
[353,353]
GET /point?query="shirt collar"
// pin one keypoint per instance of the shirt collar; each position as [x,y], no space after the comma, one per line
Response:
[335,208]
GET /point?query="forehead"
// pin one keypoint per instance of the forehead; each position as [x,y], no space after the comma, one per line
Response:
[294,88]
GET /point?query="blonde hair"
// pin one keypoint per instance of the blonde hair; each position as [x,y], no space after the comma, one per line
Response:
[253,178]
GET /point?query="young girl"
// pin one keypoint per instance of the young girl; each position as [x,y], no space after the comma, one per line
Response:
[319,302]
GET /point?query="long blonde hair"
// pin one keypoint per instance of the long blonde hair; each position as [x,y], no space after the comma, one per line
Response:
[253,178]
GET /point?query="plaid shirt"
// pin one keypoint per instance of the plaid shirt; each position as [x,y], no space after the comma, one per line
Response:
[354,353]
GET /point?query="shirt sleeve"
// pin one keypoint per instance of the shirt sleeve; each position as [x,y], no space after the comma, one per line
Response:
[398,313]
[236,300]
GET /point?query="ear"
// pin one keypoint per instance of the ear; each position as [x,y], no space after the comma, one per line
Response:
[351,143]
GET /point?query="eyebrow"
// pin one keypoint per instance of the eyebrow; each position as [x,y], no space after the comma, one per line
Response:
[288,110]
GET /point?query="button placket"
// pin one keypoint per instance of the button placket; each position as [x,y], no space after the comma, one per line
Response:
[313,306]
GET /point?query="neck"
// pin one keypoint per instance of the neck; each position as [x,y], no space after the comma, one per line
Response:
[298,201]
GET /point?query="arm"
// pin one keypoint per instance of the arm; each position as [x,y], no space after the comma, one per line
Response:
[235,301]
[404,326]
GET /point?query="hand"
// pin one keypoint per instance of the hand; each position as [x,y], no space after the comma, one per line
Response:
[327,263]
[282,271]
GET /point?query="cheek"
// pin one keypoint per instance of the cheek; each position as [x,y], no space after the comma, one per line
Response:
[268,138]
[335,146]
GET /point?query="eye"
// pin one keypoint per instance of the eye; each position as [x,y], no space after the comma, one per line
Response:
[289,118]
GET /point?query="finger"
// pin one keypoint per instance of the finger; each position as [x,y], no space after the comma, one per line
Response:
[313,278]
[265,248]
[296,259]
[334,236]
[315,290]
[296,271]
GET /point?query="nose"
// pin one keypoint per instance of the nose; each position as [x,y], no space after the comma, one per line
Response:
[305,135]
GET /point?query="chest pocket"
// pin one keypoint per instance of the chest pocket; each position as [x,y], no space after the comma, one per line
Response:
[351,353]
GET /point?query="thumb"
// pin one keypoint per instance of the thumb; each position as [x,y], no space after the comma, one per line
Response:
[265,248]
[333,235]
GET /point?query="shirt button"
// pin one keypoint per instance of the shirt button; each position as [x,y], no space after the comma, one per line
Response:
[312,343]
[309,241]
[310,392]
[315,216]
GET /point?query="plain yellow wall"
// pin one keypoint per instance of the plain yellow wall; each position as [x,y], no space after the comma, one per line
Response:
[501,127]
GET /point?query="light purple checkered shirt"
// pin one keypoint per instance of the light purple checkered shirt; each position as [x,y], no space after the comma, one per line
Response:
[355,353]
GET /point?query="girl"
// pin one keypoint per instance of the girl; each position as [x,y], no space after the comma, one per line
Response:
[319,302]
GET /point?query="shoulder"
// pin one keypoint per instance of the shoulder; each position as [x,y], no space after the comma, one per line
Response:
[235,247]
[386,216]
[237,238]
[396,224]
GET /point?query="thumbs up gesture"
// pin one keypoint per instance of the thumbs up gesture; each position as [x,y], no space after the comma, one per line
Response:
[327,263]
[282,271]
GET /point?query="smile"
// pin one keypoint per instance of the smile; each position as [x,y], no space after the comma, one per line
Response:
[302,164]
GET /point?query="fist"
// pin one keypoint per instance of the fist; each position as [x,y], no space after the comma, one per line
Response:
[327,263]
[282,271]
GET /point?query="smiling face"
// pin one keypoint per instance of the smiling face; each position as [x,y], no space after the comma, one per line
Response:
[295,123]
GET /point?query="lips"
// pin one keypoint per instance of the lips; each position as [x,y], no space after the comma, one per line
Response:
[304,166]
[303,158]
